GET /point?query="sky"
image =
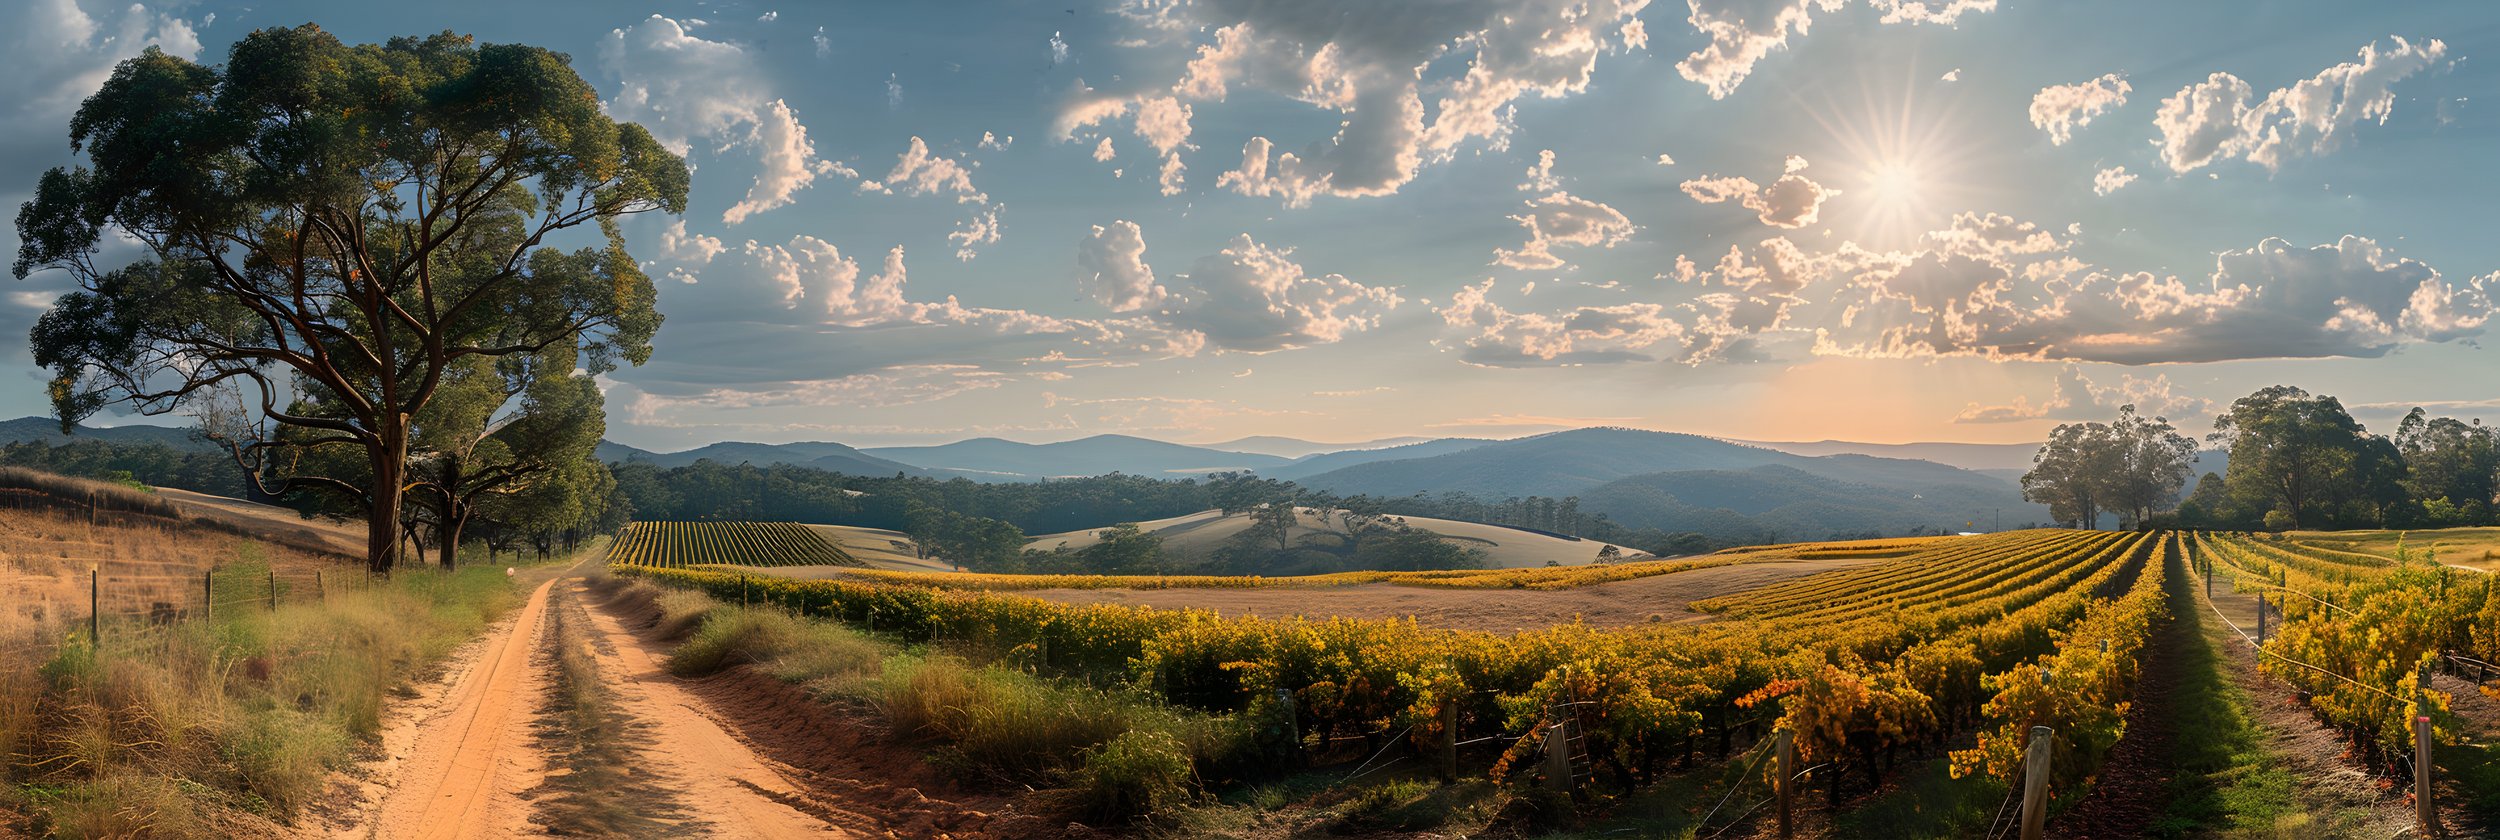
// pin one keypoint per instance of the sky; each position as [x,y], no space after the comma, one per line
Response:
[1883,221]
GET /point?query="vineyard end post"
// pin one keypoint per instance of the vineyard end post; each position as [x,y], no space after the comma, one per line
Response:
[1785,784]
[1449,740]
[1558,758]
[2423,802]
[2036,782]
[2261,620]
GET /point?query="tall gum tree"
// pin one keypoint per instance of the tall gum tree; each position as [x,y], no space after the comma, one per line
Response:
[347,221]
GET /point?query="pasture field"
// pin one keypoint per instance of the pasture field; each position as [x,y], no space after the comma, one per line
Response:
[880,548]
[1196,536]
[681,544]
[2471,547]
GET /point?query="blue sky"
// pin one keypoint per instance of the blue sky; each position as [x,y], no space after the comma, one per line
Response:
[1951,220]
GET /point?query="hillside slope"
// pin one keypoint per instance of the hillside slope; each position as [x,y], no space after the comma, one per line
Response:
[992,459]
[1780,503]
[1566,463]
[832,457]
[1197,536]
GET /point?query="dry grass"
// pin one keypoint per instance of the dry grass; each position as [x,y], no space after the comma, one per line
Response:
[184,725]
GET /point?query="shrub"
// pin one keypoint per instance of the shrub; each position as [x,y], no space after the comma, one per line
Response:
[1136,774]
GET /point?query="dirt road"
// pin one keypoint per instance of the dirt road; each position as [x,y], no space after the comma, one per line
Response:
[469,755]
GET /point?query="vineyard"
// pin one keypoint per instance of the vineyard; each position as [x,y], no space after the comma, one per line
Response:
[1953,652]
[675,545]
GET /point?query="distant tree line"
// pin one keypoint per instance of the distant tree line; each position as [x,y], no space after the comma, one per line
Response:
[2296,460]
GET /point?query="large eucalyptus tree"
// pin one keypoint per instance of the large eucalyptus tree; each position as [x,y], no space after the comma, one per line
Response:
[341,225]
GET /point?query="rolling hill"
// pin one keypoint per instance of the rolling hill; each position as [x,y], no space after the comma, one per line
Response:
[1285,447]
[831,457]
[1783,503]
[1565,463]
[992,459]
[1197,536]
[1326,461]
[48,430]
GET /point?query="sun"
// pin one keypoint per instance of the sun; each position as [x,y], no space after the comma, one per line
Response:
[1906,162]
[1893,184]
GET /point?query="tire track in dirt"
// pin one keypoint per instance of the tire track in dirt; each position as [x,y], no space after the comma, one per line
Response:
[720,781]
[461,777]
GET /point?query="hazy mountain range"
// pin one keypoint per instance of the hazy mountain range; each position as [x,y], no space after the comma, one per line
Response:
[1638,478]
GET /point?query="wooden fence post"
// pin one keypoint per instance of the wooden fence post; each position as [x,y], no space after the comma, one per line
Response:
[208,593]
[2261,620]
[1558,757]
[1449,740]
[2036,782]
[95,607]
[1293,725]
[323,589]
[2423,802]
[1785,784]
[273,589]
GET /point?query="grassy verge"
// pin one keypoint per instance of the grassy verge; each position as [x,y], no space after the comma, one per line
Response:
[211,727]
[1113,755]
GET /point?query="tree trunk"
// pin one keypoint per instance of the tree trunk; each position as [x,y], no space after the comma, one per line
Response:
[449,534]
[390,466]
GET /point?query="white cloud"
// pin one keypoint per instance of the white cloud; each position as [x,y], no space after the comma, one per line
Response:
[2076,397]
[786,163]
[1254,298]
[1953,75]
[1560,219]
[1103,151]
[1793,201]
[1113,260]
[996,142]
[1743,32]
[2216,119]
[1495,336]
[1541,176]
[981,229]
[684,88]
[1163,122]
[59,54]
[918,172]
[1171,180]
[824,43]
[1368,63]
[2111,180]
[2060,109]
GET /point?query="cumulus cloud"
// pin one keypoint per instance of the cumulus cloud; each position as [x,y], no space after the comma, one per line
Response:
[685,88]
[2221,117]
[996,142]
[2060,109]
[918,172]
[1559,219]
[1743,32]
[1112,260]
[1369,63]
[2111,180]
[1254,298]
[1172,179]
[2076,397]
[1492,335]
[787,163]
[1103,151]
[1793,201]
[981,229]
